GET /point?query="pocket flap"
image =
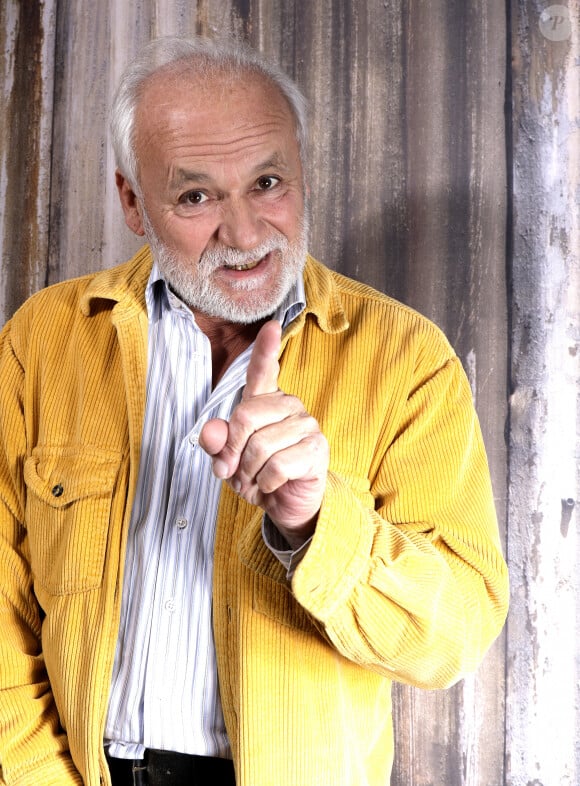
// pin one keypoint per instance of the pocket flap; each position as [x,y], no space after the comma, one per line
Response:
[61,476]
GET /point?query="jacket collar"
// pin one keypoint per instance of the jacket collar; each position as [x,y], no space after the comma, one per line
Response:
[126,284]
[122,284]
[323,299]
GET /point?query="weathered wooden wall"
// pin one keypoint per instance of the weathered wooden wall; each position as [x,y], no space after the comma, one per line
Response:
[543,653]
[421,188]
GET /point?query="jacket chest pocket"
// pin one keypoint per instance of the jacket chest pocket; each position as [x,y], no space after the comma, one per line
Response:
[68,504]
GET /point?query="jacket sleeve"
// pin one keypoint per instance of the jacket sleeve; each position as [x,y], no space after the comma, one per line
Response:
[414,586]
[33,747]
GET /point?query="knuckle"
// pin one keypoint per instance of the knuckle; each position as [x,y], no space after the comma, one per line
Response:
[255,454]
[310,422]
[258,444]
[275,465]
[243,418]
[241,429]
[271,475]
[294,403]
[317,446]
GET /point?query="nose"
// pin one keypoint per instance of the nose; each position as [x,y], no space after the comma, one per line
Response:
[239,227]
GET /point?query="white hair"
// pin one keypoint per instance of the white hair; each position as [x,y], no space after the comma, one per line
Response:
[204,57]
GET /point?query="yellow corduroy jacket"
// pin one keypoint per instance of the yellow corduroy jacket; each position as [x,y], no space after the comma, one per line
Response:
[404,578]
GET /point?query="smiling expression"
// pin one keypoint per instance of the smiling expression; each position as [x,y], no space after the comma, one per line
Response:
[221,192]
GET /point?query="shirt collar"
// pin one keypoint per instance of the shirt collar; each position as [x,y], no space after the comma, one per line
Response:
[158,292]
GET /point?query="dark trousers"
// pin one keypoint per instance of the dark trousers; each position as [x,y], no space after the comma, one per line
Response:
[164,768]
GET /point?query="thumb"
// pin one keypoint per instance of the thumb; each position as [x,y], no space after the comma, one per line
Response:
[213,436]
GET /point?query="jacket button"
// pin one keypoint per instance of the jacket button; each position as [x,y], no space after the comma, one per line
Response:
[57,490]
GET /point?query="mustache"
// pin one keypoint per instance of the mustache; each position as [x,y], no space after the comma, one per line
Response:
[218,255]
[226,256]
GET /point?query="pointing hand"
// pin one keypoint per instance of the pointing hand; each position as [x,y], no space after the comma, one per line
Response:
[271,451]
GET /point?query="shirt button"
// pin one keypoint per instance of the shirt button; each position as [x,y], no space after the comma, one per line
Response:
[181,523]
[194,439]
[170,605]
[57,491]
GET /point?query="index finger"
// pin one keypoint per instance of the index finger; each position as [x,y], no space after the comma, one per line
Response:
[263,368]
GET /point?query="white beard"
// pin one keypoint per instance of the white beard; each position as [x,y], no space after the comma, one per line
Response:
[193,281]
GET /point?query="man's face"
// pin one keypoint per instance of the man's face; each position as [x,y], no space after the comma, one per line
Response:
[222,193]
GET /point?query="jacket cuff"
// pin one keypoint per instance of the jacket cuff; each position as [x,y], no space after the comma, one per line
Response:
[339,553]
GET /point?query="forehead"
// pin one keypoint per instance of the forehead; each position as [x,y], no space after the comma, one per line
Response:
[183,115]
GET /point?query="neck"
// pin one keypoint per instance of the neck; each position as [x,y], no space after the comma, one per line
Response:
[227,340]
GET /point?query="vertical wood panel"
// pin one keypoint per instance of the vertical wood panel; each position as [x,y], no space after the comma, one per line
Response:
[81,187]
[26,81]
[453,271]
[543,688]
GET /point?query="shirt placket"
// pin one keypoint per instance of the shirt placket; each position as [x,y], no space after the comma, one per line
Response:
[187,551]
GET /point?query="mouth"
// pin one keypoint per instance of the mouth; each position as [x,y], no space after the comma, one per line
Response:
[251,265]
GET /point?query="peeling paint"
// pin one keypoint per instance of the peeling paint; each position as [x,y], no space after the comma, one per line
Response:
[543,721]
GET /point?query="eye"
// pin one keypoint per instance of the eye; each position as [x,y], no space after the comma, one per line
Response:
[193,198]
[267,182]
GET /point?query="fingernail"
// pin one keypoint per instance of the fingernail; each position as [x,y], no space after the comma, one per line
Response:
[236,485]
[220,469]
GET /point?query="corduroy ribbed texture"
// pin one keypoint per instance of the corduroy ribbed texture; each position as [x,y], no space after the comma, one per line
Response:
[404,578]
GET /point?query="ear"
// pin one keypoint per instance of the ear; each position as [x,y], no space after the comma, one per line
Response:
[130,204]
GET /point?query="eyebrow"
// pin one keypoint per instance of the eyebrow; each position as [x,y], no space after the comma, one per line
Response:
[183,176]
[186,176]
[276,161]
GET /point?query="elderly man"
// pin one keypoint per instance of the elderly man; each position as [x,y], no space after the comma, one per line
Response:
[239,493]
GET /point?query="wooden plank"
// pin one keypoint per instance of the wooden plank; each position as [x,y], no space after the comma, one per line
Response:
[82,181]
[26,84]
[543,690]
[453,271]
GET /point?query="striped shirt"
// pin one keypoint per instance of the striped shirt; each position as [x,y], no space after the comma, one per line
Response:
[164,691]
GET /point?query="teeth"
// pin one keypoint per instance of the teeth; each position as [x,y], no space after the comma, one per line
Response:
[248,266]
